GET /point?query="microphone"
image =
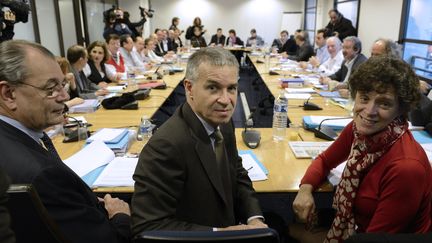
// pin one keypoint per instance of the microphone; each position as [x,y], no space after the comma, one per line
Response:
[73,135]
[250,137]
[326,132]
[309,106]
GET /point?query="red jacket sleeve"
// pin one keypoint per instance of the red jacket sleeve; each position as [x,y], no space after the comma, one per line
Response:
[337,153]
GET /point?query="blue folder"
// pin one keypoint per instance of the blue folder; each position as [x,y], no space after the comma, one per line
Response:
[308,124]
[263,168]
[422,137]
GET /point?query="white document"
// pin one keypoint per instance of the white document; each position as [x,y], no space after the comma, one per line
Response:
[297,96]
[335,175]
[115,89]
[428,149]
[106,134]
[255,172]
[118,172]
[89,158]
[339,123]
[300,90]
[305,150]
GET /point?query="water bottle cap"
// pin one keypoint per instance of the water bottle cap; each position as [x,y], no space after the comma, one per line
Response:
[144,117]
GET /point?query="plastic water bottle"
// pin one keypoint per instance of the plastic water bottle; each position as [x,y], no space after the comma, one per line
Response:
[280,117]
[145,129]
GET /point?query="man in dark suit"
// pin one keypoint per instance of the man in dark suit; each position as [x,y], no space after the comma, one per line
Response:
[188,177]
[32,97]
[285,44]
[351,50]
[217,39]
[6,234]
[163,45]
[339,25]
[304,51]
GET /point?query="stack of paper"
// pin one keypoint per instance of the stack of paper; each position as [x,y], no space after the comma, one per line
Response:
[304,150]
[256,170]
[116,139]
[90,105]
[118,172]
[296,96]
[300,90]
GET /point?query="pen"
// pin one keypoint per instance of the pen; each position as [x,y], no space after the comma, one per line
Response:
[250,168]
[300,136]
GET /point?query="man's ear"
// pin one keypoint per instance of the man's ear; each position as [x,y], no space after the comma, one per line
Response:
[188,87]
[7,95]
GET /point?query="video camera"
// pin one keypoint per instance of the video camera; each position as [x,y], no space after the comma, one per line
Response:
[115,14]
[146,12]
[18,7]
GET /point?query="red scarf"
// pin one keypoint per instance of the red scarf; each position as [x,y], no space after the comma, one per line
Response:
[365,151]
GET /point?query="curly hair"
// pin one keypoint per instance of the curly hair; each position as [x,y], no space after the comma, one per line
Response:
[382,73]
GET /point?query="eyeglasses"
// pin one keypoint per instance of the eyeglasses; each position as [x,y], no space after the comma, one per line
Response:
[51,91]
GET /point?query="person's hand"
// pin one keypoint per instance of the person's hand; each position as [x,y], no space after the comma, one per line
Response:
[344,93]
[212,44]
[303,65]
[9,16]
[284,54]
[118,76]
[257,222]
[424,87]
[243,227]
[103,84]
[74,101]
[341,86]
[115,206]
[324,80]
[335,33]
[304,203]
[314,62]
[101,92]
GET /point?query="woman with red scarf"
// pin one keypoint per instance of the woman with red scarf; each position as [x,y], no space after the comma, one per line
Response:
[386,185]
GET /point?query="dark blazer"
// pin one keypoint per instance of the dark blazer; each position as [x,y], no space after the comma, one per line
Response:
[217,40]
[84,87]
[177,186]
[69,201]
[303,53]
[198,41]
[290,46]
[238,41]
[6,234]
[342,72]
[160,51]
[95,77]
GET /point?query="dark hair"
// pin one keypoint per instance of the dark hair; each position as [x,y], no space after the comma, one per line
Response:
[301,36]
[285,31]
[112,37]
[357,45]
[124,39]
[323,31]
[197,19]
[74,53]
[338,14]
[175,19]
[104,48]
[146,41]
[380,73]
[232,31]
[253,31]
[219,29]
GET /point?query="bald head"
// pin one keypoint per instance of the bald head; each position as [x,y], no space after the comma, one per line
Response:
[378,48]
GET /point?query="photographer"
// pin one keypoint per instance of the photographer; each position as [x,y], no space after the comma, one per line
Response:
[11,12]
[114,23]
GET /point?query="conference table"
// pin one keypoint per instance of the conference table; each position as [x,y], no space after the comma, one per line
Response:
[285,171]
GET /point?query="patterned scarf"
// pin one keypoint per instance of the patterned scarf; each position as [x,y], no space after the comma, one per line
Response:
[365,151]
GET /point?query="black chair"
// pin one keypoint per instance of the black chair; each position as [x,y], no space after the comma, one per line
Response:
[29,219]
[255,235]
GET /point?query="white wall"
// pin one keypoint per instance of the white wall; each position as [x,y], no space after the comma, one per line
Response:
[242,15]
[379,19]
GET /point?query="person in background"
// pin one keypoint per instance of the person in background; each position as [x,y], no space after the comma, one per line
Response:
[115,66]
[197,40]
[351,49]
[135,27]
[254,39]
[304,51]
[208,187]
[386,169]
[114,24]
[174,25]
[190,29]
[78,57]
[32,97]
[339,25]
[95,69]
[333,64]
[233,39]
[163,46]
[284,44]
[384,46]
[130,55]
[177,43]
[139,47]
[321,52]
[6,234]
[71,84]
[217,39]
[149,47]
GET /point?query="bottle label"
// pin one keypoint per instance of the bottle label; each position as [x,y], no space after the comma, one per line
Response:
[280,108]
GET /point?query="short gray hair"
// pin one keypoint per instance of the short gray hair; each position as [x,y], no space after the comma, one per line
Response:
[337,41]
[213,56]
[13,68]
[357,43]
[391,48]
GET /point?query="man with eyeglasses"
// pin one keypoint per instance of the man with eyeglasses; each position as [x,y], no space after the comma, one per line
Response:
[32,99]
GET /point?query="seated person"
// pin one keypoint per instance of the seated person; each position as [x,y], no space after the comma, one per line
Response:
[304,51]
[284,44]
[233,39]
[177,43]
[32,100]
[388,47]
[197,40]
[190,29]
[163,44]
[321,52]
[115,66]
[95,69]
[130,55]
[217,39]
[208,187]
[71,84]
[149,47]
[254,39]
[84,88]
[351,50]
[385,165]
[334,62]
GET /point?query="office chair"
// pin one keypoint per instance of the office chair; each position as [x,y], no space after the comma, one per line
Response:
[239,236]
[29,219]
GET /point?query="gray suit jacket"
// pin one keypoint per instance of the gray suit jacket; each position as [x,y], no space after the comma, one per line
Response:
[342,72]
[177,183]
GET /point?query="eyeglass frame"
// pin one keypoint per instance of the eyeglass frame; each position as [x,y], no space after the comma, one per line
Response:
[50,91]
